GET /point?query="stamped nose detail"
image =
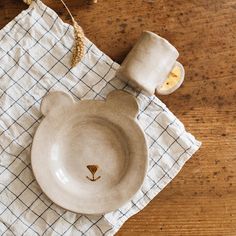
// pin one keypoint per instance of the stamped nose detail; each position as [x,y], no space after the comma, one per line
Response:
[93,169]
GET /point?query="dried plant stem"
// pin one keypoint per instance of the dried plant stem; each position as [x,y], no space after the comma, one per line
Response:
[28,1]
[79,38]
[78,50]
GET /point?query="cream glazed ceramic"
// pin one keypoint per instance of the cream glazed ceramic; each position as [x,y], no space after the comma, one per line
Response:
[149,65]
[89,156]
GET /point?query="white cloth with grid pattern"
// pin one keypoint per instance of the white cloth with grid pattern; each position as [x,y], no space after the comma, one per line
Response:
[35,53]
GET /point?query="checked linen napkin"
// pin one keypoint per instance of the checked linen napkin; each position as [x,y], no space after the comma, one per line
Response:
[35,53]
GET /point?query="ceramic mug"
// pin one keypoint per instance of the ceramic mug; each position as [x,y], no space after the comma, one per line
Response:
[149,65]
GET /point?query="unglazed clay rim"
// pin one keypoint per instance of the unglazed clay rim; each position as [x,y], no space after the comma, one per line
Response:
[93,211]
[163,39]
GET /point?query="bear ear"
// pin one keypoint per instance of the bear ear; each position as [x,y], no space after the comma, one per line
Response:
[55,100]
[123,102]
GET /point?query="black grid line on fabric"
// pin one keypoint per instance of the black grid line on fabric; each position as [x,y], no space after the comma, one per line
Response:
[17,156]
[16,177]
[97,94]
[145,193]
[124,215]
[91,89]
[17,196]
[168,132]
[17,217]
[150,179]
[5,92]
[14,121]
[108,71]
[16,63]
[50,225]
[162,105]
[68,49]
[107,231]
[32,203]
[49,206]
[45,8]
[156,162]
[7,33]
[61,216]
[26,32]
[73,225]
[48,71]
[91,69]
[30,226]
[28,208]
[133,205]
[173,138]
[36,42]
[106,83]
[165,129]
[14,140]
[165,152]
[69,26]
[28,90]
[25,51]
[81,79]
[8,229]
[172,165]
[36,21]
[156,184]
[93,224]
[37,101]
[145,108]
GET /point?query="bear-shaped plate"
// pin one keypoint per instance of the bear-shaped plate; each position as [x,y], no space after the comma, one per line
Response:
[89,156]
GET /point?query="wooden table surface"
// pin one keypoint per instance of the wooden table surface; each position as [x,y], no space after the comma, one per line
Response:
[201,200]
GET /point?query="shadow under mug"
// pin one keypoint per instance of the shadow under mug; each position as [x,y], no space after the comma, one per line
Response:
[149,64]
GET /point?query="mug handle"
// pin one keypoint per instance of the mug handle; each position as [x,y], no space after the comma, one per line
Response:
[166,88]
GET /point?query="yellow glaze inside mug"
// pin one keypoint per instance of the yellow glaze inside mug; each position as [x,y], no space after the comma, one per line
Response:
[174,80]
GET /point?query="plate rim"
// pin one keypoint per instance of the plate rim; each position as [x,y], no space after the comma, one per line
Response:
[108,209]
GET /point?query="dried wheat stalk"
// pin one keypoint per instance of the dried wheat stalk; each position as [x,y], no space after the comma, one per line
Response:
[28,1]
[79,38]
[78,48]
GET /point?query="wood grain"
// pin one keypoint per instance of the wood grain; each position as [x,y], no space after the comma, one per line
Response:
[201,200]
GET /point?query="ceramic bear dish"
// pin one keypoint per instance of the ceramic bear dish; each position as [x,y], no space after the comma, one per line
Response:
[89,156]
